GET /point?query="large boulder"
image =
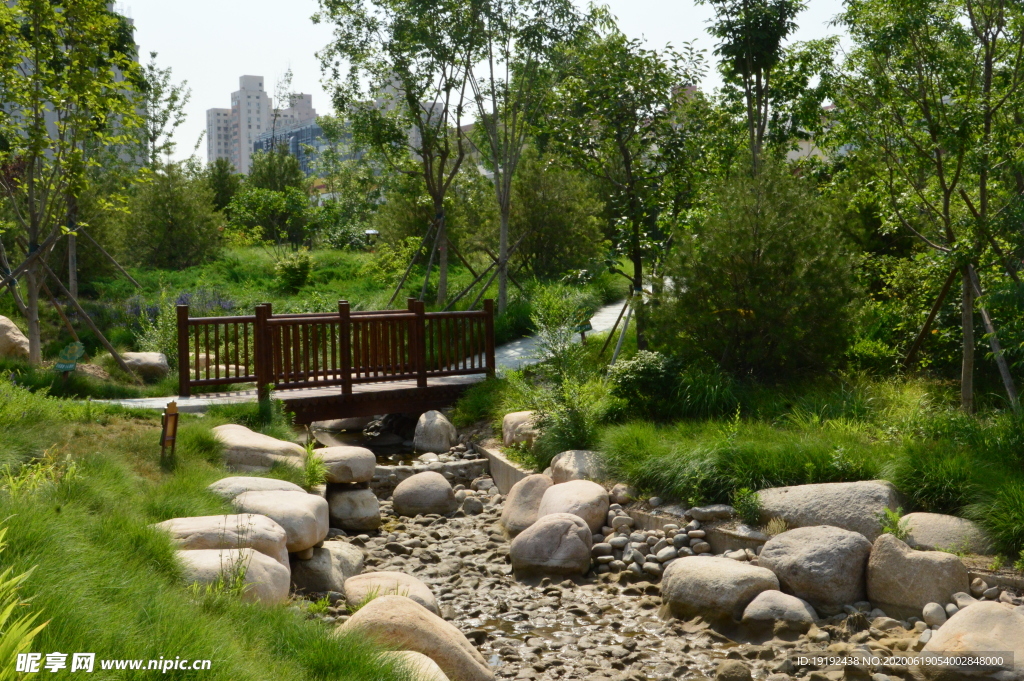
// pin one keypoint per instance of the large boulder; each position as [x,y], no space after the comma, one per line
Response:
[984,627]
[822,565]
[303,516]
[150,366]
[557,544]
[421,666]
[13,342]
[359,587]
[576,464]
[229,488]
[519,428]
[715,588]
[329,568]
[348,464]
[769,607]
[523,502]
[353,509]
[424,493]
[854,506]
[266,580]
[245,450]
[584,498]
[901,581]
[935,531]
[246,531]
[434,433]
[402,623]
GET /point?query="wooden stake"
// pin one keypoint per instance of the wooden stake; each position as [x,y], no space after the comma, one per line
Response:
[56,306]
[109,257]
[993,340]
[615,325]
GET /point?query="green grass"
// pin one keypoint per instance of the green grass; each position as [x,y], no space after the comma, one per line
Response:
[106,582]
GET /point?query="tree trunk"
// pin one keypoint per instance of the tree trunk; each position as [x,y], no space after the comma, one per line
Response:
[638,295]
[967,368]
[442,261]
[32,281]
[73,266]
[503,261]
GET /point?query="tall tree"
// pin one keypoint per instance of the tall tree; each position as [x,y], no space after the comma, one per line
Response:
[751,35]
[624,116]
[66,71]
[405,88]
[929,102]
[163,105]
[223,181]
[521,41]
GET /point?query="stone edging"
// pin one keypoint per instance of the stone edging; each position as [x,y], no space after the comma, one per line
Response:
[503,472]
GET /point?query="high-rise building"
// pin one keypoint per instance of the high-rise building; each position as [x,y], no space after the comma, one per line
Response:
[230,133]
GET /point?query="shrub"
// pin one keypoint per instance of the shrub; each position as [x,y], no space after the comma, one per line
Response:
[894,524]
[292,271]
[314,470]
[569,421]
[748,505]
[647,385]
[763,285]
[558,311]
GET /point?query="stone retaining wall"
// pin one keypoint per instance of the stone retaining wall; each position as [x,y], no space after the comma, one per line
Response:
[462,472]
[503,472]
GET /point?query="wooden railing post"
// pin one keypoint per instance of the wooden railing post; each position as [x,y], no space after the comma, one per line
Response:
[184,363]
[345,345]
[489,336]
[420,344]
[262,349]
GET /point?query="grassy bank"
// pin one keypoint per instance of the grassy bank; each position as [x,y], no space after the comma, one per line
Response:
[82,486]
[830,429]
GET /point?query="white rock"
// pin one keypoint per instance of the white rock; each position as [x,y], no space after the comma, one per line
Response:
[523,503]
[854,506]
[771,606]
[401,623]
[902,581]
[934,615]
[304,517]
[424,493]
[822,565]
[519,428]
[246,531]
[934,531]
[712,587]
[229,488]
[13,343]
[329,568]
[353,509]
[558,543]
[148,365]
[266,580]
[985,627]
[246,450]
[583,498]
[348,464]
[576,464]
[419,665]
[359,587]
[434,433]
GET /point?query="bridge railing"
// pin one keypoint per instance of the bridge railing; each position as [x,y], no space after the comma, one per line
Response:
[325,349]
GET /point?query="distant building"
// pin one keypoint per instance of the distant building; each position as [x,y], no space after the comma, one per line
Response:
[231,133]
[301,141]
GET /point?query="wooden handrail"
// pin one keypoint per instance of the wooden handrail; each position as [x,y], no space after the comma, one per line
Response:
[302,350]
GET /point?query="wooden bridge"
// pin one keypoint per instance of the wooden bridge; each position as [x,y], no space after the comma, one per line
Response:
[352,363]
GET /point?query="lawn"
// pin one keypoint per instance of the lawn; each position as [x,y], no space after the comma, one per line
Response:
[82,483]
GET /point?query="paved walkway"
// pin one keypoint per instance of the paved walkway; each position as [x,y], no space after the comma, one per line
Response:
[514,355]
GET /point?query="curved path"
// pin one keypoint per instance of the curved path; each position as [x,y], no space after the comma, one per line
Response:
[514,355]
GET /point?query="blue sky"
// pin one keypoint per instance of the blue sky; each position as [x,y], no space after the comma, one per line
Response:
[210,43]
